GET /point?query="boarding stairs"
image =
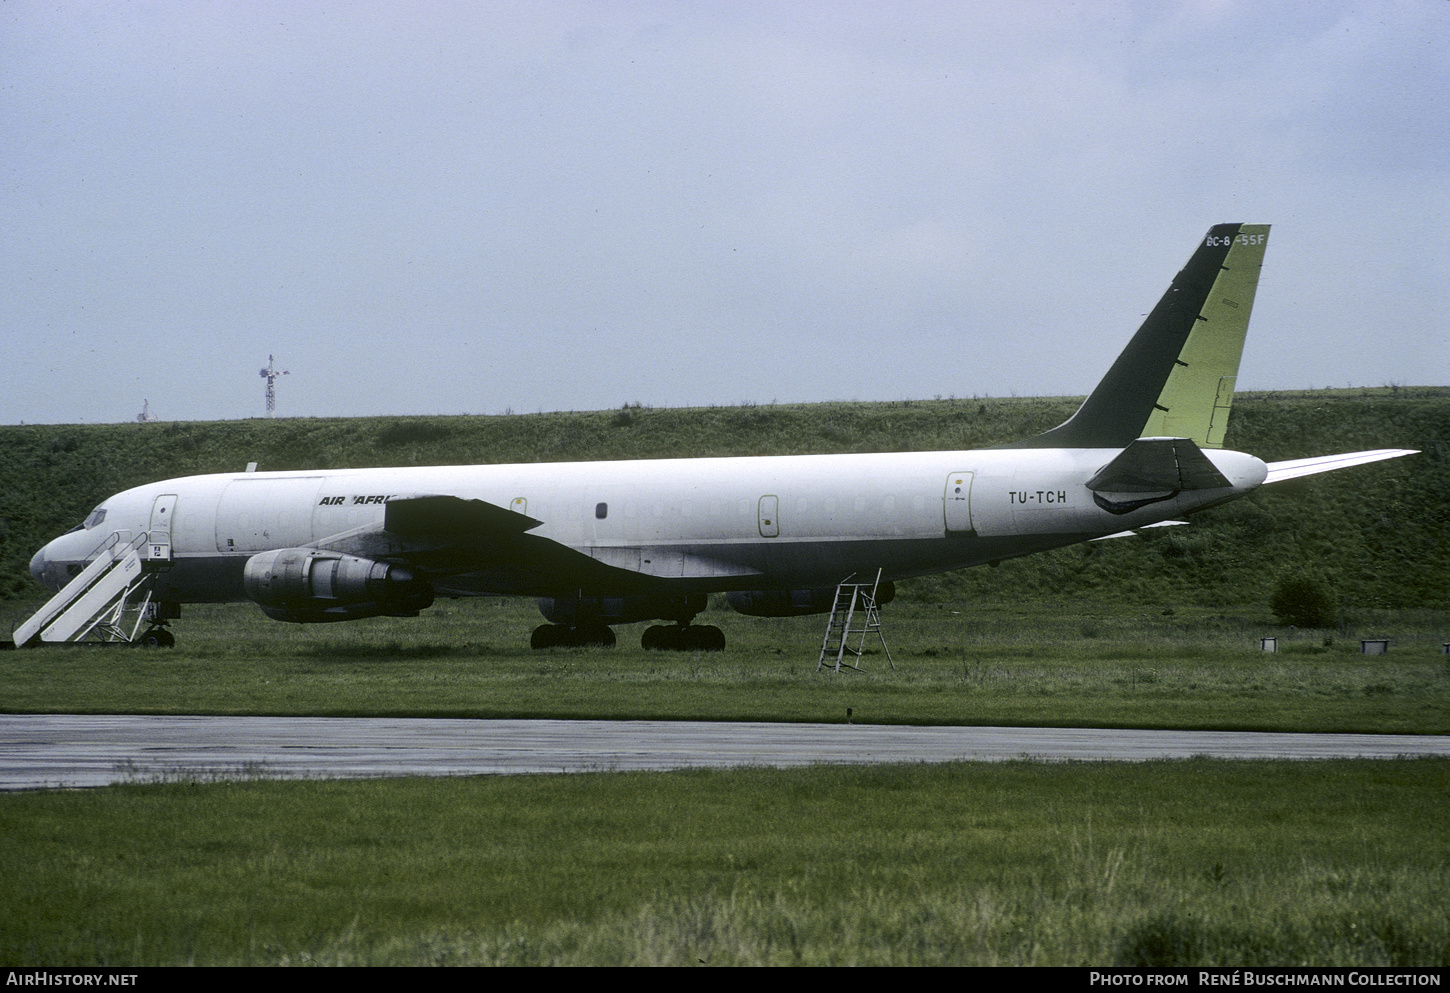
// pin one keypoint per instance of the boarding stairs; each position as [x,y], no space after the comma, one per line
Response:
[855,612]
[93,604]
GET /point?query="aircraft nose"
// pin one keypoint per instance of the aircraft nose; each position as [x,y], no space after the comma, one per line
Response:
[37,566]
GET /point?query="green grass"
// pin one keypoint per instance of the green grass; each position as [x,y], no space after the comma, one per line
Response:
[1066,665]
[1190,862]
[1194,862]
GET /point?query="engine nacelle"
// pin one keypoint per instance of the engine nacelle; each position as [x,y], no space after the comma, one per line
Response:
[575,610]
[796,603]
[307,586]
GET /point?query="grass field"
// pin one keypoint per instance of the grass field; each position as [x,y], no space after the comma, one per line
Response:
[1186,862]
[1197,862]
[1192,862]
[1060,665]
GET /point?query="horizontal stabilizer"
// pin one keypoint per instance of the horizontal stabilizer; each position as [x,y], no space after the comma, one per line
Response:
[451,516]
[1294,468]
[1132,534]
[1157,465]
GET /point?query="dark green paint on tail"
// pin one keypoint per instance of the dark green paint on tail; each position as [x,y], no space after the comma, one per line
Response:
[1176,376]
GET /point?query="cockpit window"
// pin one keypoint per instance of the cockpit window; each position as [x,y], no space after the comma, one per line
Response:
[97,516]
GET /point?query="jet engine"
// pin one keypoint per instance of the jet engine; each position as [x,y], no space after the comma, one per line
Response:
[796,603]
[307,586]
[576,611]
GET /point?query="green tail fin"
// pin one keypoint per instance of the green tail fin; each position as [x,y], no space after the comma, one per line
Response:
[1176,377]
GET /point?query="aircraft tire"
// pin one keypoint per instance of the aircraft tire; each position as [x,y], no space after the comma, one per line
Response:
[562,636]
[667,638]
[157,638]
[704,638]
[601,635]
[675,638]
[547,636]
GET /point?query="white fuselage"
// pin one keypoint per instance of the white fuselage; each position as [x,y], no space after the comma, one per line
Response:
[683,524]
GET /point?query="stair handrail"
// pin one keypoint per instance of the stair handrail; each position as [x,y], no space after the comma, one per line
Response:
[134,543]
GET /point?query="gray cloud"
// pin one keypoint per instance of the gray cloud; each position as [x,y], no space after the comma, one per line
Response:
[458,208]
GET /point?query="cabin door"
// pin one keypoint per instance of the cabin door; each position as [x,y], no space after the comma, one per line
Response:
[958,503]
[769,517]
[158,542]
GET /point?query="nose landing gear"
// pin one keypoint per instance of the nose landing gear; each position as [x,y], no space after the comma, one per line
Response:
[157,637]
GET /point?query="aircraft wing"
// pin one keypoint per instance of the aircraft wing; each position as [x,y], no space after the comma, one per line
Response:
[474,544]
[1294,468]
[444,537]
[452,517]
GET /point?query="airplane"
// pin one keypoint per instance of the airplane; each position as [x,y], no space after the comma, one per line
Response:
[607,543]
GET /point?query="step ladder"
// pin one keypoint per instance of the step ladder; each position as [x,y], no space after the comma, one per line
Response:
[95,601]
[854,612]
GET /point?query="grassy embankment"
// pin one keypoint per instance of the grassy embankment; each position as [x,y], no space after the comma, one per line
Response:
[1152,631]
[1380,533]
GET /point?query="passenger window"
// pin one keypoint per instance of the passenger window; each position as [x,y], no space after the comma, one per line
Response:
[601,510]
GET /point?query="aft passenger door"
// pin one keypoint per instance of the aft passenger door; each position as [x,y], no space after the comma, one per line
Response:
[770,516]
[958,503]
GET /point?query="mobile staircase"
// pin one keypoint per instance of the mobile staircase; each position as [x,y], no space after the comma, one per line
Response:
[94,603]
[855,612]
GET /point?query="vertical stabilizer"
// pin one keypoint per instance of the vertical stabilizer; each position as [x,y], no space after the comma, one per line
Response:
[1176,377]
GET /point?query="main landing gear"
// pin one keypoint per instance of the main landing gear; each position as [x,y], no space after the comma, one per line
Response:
[658,637]
[683,638]
[564,636]
[577,620]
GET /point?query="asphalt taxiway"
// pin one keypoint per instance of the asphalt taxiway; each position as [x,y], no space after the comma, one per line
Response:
[51,750]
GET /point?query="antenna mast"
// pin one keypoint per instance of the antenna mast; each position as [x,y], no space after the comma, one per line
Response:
[270,375]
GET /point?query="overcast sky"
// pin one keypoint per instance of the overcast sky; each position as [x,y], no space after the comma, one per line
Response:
[476,207]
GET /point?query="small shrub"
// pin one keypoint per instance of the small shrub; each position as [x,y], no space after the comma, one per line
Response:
[1165,939]
[1306,601]
[413,432]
